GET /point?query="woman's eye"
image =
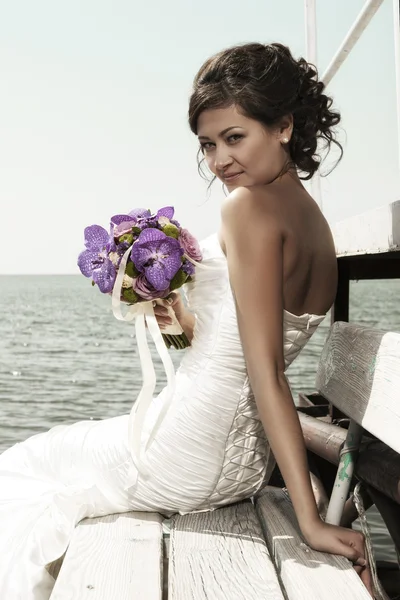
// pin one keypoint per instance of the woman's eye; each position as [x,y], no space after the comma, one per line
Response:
[234,138]
[207,146]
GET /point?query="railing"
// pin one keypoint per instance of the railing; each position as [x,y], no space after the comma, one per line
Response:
[360,24]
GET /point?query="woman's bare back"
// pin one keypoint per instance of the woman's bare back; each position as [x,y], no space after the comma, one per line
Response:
[309,257]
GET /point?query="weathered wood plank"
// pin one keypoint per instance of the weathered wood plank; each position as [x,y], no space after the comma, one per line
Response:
[305,573]
[359,372]
[118,557]
[372,232]
[221,555]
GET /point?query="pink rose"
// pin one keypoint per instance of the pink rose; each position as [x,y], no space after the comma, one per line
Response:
[190,245]
[145,290]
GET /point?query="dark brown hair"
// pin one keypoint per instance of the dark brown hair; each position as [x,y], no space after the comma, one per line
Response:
[267,83]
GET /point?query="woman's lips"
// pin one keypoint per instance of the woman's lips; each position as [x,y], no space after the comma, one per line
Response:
[229,178]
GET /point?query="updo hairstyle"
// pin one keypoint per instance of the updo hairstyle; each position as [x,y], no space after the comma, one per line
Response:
[266,83]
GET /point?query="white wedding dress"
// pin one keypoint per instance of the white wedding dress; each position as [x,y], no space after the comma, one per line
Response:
[209,450]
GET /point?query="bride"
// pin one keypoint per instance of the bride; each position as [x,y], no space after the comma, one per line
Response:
[258,114]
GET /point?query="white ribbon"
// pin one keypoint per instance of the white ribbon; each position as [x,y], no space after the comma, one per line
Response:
[143,313]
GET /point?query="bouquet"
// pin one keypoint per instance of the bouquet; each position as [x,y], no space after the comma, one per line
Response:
[142,258]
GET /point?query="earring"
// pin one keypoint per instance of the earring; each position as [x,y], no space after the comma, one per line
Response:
[285,140]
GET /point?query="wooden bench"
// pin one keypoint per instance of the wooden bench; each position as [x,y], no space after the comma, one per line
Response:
[251,550]
[359,373]
[245,551]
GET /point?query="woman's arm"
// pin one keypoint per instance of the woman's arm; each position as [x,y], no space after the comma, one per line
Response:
[255,270]
[254,239]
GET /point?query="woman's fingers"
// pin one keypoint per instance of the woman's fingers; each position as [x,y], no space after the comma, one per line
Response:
[161,314]
[354,542]
[353,555]
[353,547]
[173,298]
[161,307]
[354,550]
[344,542]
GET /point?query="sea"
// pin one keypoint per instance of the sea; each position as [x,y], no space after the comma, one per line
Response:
[64,357]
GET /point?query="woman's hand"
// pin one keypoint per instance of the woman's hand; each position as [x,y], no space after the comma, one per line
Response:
[345,542]
[185,317]
[174,300]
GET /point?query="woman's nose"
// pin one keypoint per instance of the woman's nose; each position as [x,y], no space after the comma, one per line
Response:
[222,159]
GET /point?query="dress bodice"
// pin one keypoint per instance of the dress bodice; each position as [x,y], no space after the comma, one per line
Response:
[210,293]
[213,420]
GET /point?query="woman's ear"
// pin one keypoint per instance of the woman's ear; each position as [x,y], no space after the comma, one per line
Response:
[286,128]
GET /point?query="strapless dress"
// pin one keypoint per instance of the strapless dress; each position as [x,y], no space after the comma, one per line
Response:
[209,450]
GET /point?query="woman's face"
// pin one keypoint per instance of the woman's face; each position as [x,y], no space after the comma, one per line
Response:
[241,151]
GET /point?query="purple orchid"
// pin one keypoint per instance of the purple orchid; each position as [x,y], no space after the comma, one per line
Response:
[157,256]
[138,217]
[188,268]
[120,224]
[139,213]
[149,220]
[94,262]
[132,217]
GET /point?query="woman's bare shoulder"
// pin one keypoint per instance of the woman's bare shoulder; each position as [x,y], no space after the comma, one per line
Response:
[247,205]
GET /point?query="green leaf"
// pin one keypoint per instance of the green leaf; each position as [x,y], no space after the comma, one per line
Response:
[171,230]
[178,280]
[129,295]
[127,237]
[131,270]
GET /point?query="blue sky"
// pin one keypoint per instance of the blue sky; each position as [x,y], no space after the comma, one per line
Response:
[94,104]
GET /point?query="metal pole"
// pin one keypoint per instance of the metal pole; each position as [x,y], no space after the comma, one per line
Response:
[348,456]
[311,56]
[311,30]
[396,20]
[363,19]
[377,464]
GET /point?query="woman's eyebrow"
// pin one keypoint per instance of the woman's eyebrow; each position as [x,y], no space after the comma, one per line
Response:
[204,137]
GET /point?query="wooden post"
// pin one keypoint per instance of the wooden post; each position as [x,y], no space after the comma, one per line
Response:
[379,466]
[321,438]
[340,310]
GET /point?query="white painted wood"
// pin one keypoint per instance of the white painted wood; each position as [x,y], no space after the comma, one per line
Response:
[221,555]
[305,573]
[372,232]
[359,372]
[118,557]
